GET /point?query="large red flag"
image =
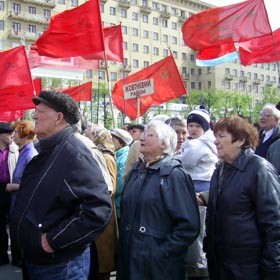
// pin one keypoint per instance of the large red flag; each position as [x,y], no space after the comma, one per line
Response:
[11,116]
[234,23]
[80,93]
[264,49]
[113,41]
[153,85]
[16,87]
[74,32]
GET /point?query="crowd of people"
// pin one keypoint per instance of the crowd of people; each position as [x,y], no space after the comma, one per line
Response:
[170,199]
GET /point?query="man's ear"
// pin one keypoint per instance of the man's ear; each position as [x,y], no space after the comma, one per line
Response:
[59,118]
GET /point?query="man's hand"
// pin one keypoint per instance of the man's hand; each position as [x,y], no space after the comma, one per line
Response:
[45,245]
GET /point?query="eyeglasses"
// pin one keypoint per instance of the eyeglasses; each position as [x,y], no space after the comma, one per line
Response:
[264,115]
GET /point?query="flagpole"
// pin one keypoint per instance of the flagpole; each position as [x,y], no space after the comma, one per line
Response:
[138,108]
[109,89]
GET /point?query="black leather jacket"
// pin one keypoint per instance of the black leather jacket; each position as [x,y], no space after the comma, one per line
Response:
[62,194]
[243,220]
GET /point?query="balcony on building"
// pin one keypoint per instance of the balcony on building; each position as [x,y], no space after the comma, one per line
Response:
[127,68]
[31,36]
[257,81]
[269,83]
[185,76]
[45,3]
[182,19]
[103,1]
[228,77]
[40,19]
[125,4]
[243,80]
[15,34]
[146,8]
[17,15]
[165,14]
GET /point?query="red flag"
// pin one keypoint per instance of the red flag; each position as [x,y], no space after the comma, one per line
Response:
[154,85]
[37,85]
[261,50]
[234,23]
[80,93]
[11,116]
[113,41]
[74,32]
[16,87]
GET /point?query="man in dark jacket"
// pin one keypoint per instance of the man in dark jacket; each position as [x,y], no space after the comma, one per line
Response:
[63,202]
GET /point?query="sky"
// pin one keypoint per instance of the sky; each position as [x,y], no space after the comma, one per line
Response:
[221,3]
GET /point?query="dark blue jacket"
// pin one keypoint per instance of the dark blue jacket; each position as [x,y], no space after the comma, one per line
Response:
[243,220]
[62,194]
[159,221]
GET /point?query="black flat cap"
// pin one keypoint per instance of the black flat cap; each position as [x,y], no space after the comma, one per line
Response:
[6,127]
[60,102]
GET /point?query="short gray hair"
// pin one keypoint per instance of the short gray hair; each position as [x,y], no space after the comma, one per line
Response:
[166,135]
[273,108]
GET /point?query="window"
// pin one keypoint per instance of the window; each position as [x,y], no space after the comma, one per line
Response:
[47,14]
[135,31]
[241,73]
[184,56]
[242,87]
[164,23]
[74,3]
[165,52]
[174,40]
[16,8]
[192,58]
[145,34]
[146,49]
[102,8]
[124,29]
[125,45]
[267,66]
[2,25]
[145,18]
[16,27]
[227,71]
[155,21]
[134,2]
[273,67]
[249,88]
[114,76]
[173,11]
[146,64]
[123,13]
[184,70]
[234,72]
[112,11]
[135,47]
[1,44]
[155,36]
[155,6]
[267,78]
[174,25]
[192,71]
[199,85]
[256,89]
[32,28]
[227,85]
[249,75]
[175,54]
[88,73]
[156,51]
[199,71]
[32,10]
[135,63]
[235,86]
[192,85]
[164,8]
[134,16]
[2,6]
[164,38]
[102,75]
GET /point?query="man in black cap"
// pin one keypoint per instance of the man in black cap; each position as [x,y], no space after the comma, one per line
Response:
[63,202]
[8,160]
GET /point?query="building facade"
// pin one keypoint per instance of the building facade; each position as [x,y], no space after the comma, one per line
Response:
[151,31]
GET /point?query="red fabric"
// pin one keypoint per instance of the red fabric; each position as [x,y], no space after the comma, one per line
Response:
[234,23]
[261,50]
[80,93]
[16,87]
[74,32]
[11,116]
[113,41]
[37,83]
[215,52]
[167,85]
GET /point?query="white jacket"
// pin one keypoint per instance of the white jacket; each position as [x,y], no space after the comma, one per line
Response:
[199,156]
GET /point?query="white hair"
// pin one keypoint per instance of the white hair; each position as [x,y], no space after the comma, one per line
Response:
[272,107]
[166,135]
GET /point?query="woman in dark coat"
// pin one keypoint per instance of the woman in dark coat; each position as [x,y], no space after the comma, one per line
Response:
[159,218]
[243,217]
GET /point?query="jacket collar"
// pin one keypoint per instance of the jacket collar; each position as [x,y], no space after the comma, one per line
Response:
[243,158]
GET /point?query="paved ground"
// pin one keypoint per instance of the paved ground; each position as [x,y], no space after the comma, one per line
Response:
[8,272]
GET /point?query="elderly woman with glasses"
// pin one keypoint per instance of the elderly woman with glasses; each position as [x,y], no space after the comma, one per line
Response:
[159,213]
[243,218]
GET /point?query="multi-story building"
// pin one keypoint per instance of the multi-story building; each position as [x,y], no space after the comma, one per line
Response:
[151,31]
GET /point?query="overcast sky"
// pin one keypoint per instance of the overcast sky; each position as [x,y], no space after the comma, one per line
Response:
[222,2]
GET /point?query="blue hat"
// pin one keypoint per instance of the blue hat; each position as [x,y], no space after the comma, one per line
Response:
[200,116]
